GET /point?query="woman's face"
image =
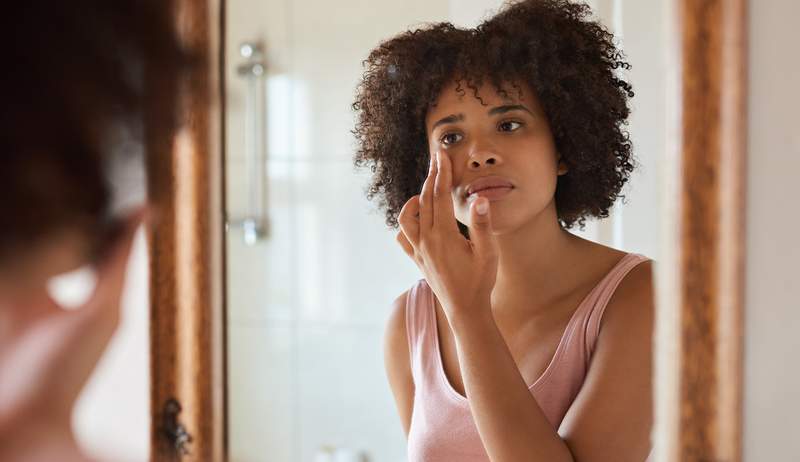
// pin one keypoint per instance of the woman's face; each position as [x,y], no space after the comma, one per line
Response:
[507,139]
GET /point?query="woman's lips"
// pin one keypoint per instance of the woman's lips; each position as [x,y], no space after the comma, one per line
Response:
[492,187]
[493,194]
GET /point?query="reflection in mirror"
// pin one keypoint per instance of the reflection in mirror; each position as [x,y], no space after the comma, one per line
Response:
[310,307]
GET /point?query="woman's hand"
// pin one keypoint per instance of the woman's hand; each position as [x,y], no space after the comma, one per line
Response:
[461,272]
[46,360]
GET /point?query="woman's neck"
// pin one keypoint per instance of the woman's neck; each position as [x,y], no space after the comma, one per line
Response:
[536,262]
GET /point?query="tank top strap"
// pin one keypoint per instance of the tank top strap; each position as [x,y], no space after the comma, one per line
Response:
[596,302]
[418,325]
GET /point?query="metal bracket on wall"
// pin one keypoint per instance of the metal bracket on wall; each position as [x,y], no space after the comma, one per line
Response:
[255,224]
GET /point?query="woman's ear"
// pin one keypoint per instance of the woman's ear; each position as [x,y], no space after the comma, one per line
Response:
[562,166]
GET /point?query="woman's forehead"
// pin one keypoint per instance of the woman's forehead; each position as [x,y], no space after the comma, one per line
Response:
[457,96]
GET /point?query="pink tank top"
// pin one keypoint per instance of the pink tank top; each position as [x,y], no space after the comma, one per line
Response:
[442,428]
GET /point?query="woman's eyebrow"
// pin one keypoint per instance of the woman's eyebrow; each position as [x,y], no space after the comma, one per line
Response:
[448,120]
[508,108]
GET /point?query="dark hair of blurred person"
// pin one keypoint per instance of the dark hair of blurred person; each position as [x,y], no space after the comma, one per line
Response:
[81,83]
[73,74]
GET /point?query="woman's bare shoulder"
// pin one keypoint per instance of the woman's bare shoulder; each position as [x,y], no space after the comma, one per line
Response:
[396,322]
[397,359]
[633,300]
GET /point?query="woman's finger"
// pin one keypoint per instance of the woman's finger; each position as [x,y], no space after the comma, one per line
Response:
[426,199]
[480,229]
[444,215]
[409,220]
[405,244]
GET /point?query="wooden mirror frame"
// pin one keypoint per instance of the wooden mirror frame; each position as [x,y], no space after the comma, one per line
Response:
[187,302]
[699,333]
[700,309]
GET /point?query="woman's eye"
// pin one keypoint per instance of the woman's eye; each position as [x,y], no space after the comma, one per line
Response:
[509,126]
[450,138]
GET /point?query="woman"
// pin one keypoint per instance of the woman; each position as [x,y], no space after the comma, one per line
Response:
[83,80]
[523,341]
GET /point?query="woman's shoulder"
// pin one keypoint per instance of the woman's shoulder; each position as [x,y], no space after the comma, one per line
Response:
[632,299]
[398,311]
[396,323]
[397,358]
[636,278]
[632,304]
[409,298]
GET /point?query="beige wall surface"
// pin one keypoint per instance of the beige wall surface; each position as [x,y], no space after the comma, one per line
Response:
[772,345]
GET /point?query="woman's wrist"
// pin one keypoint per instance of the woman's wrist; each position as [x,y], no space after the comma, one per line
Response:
[474,318]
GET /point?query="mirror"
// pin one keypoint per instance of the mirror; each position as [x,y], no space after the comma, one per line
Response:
[312,266]
[312,269]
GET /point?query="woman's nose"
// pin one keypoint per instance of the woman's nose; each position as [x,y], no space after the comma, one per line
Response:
[482,159]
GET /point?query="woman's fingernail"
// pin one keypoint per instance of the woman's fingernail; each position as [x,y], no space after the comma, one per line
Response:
[482,207]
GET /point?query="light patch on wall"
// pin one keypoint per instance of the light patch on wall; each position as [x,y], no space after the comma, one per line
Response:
[310,267]
[470,13]
[302,122]
[278,104]
[73,289]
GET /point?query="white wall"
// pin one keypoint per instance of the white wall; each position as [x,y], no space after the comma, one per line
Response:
[643,37]
[470,13]
[112,416]
[772,346]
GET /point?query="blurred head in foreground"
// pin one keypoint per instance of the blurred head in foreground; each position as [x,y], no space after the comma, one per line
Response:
[81,82]
[84,84]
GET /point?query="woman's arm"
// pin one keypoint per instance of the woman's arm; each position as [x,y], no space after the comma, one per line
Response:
[610,419]
[612,416]
[510,422]
[397,361]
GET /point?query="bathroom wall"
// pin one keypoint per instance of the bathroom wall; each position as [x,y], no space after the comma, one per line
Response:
[112,416]
[772,313]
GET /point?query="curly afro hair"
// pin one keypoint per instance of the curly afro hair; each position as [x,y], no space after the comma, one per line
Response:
[570,62]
